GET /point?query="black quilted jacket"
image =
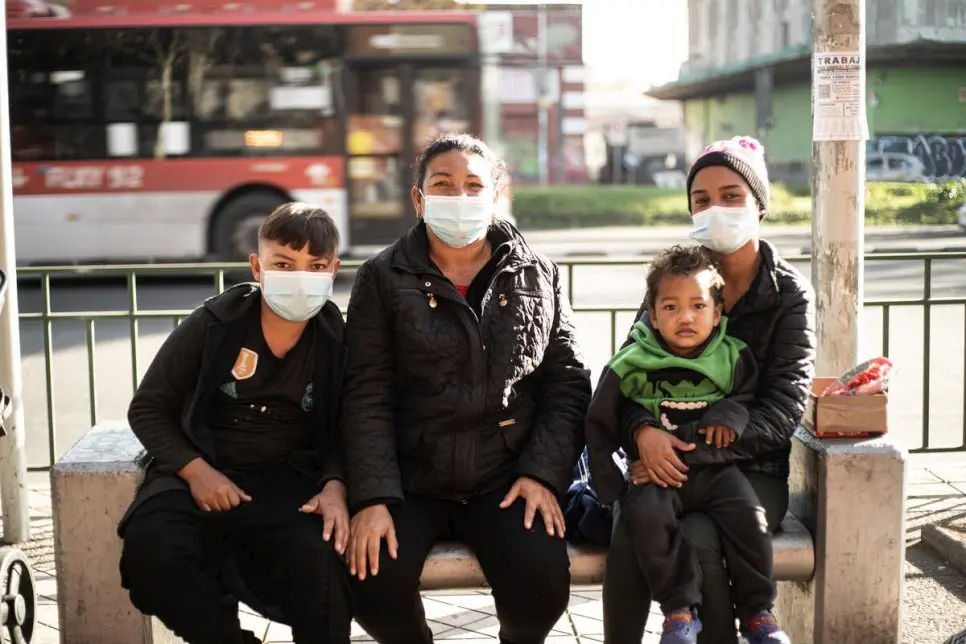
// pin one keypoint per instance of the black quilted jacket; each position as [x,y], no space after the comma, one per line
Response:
[442,403]
[776,318]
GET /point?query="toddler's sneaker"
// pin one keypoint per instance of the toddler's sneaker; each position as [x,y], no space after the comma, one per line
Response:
[763,628]
[681,627]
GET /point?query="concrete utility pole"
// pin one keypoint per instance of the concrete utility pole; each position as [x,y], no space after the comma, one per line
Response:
[838,180]
[13,458]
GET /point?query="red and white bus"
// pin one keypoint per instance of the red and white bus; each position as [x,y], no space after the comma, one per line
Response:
[170,134]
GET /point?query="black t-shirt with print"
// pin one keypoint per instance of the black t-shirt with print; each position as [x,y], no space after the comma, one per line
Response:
[262,411]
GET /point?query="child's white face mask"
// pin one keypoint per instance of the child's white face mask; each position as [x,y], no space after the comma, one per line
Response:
[296,296]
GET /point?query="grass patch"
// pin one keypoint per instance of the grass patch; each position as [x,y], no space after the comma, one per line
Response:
[555,207]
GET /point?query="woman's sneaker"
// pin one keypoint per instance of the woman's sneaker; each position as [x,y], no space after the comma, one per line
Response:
[763,628]
[681,627]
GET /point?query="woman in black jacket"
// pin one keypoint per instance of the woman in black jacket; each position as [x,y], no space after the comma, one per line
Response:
[770,307]
[464,406]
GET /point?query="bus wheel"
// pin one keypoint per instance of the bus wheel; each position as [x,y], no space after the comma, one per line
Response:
[18,604]
[235,232]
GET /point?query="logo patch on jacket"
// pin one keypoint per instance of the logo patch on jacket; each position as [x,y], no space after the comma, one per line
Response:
[245,364]
[230,389]
[308,401]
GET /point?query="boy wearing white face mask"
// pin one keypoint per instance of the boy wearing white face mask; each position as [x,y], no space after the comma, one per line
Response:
[238,412]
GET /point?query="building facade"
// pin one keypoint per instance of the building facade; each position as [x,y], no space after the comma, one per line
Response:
[534,89]
[749,72]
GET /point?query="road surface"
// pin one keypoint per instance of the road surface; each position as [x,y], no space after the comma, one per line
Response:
[592,286]
[791,240]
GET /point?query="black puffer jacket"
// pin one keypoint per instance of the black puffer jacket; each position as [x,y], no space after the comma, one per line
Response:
[776,318]
[442,403]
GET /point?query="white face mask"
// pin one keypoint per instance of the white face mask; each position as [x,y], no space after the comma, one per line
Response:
[296,296]
[724,230]
[458,221]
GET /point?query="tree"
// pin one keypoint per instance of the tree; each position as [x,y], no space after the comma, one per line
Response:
[163,52]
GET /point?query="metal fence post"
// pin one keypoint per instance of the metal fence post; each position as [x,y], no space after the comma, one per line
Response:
[13,459]
[838,180]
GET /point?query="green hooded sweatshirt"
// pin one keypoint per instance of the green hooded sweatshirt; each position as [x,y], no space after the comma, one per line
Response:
[673,388]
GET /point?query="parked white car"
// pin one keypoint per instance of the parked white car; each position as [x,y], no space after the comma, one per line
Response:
[962,217]
[892,166]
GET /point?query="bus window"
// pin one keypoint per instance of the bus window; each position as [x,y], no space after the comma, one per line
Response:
[175,91]
[54,102]
[376,188]
[440,103]
[268,91]
[375,122]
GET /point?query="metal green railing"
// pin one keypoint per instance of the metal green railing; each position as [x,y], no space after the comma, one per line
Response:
[571,267]
[47,317]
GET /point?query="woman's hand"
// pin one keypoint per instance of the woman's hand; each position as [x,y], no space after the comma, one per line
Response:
[657,451]
[369,527]
[330,505]
[538,497]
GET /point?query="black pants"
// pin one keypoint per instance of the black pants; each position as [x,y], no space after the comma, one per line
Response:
[665,555]
[528,570]
[175,555]
[627,595]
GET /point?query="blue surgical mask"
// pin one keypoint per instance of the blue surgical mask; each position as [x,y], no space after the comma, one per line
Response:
[724,230]
[458,221]
[296,296]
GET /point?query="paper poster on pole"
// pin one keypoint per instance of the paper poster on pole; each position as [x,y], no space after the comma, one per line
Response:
[838,97]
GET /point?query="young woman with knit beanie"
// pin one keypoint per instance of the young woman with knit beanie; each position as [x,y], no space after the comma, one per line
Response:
[769,306]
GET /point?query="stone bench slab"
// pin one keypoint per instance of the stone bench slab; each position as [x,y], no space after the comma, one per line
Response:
[452,566]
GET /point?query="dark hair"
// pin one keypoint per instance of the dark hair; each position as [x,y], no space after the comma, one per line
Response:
[464,143]
[683,260]
[297,224]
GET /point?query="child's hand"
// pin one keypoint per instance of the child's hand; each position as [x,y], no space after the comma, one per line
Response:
[719,435]
[639,474]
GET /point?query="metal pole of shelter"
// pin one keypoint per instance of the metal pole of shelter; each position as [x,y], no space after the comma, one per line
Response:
[838,180]
[13,457]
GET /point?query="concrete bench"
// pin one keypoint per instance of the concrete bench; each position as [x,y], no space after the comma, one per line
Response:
[848,495]
[451,566]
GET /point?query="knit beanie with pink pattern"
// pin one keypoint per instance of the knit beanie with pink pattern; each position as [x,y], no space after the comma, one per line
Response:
[742,154]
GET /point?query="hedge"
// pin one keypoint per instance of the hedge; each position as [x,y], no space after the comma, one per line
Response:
[550,207]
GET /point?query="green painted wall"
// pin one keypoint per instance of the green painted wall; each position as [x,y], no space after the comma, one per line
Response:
[791,137]
[917,100]
[720,117]
[910,101]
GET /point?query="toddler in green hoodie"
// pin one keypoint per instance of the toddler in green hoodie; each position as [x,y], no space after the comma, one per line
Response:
[693,378]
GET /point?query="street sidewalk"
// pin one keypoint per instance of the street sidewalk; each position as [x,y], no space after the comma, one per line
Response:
[934,597]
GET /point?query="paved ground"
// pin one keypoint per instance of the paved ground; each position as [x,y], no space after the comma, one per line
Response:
[934,605]
[935,592]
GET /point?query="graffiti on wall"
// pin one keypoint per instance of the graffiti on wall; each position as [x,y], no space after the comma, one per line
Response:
[943,156]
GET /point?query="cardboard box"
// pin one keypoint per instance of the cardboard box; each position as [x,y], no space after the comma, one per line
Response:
[845,416]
